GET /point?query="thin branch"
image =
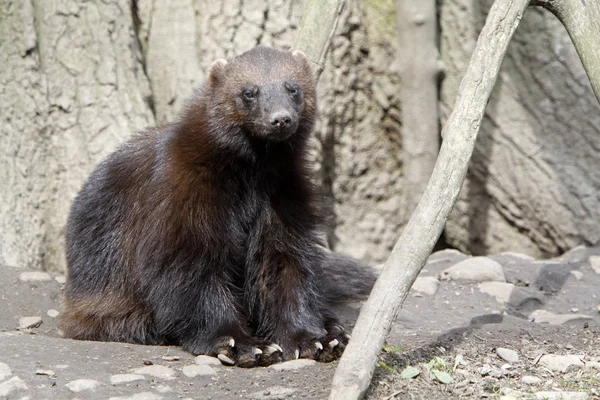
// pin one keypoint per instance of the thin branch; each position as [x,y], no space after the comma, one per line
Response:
[356,366]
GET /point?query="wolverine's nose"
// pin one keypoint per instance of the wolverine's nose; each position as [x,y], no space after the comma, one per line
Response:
[281,119]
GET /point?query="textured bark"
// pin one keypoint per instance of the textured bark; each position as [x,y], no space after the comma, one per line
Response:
[72,87]
[354,372]
[418,50]
[532,185]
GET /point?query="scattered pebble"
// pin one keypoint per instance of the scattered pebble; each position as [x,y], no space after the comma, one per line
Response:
[485,370]
[501,291]
[477,269]
[531,380]
[170,358]
[60,279]
[35,276]
[5,371]
[207,360]
[293,365]
[577,274]
[507,355]
[157,371]
[426,284]
[52,313]
[272,393]
[46,372]
[81,385]
[125,378]
[163,389]
[14,383]
[138,396]
[192,371]
[30,322]
[548,395]
[594,262]
[544,316]
[561,363]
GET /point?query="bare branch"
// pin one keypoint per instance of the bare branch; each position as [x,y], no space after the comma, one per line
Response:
[355,370]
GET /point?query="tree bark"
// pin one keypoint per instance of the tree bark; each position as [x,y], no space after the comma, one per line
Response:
[317,27]
[417,25]
[356,366]
[581,19]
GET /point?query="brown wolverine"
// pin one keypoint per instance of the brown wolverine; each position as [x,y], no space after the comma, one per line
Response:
[204,233]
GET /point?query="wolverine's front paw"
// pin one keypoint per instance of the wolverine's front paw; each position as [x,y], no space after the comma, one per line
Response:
[324,349]
[246,353]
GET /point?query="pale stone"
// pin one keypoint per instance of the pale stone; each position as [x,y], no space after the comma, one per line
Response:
[191,371]
[594,262]
[52,313]
[81,385]
[207,360]
[293,365]
[60,279]
[35,276]
[138,396]
[507,355]
[14,383]
[5,371]
[548,395]
[561,363]
[30,322]
[157,371]
[477,269]
[577,274]
[125,378]
[531,380]
[426,284]
[543,316]
[501,291]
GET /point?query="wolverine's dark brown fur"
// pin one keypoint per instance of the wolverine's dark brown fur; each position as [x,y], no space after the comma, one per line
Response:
[204,233]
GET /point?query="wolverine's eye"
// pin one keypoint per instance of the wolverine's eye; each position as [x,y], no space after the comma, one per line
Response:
[250,94]
[292,88]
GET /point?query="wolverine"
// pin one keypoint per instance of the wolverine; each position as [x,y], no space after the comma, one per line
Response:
[205,233]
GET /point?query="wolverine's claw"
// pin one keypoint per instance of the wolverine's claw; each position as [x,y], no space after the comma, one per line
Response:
[225,360]
[256,351]
[297,354]
[318,345]
[333,343]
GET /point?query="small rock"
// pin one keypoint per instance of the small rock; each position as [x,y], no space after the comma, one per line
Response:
[52,313]
[477,269]
[157,371]
[125,378]
[577,274]
[5,371]
[272,393]
[543,316]
[14,383]
[36,276]
[485,370]
[293,365]
[592,365]
[426,284]
[30,322]
[170,358]
[507,355]
[81,385]
[192,371]
[561,363]
[531,380]
[207,360]
[138,396]
[574,310]
[60,279]
[594,262]
[45,372]
[501,291]
[163,389]
[548,395]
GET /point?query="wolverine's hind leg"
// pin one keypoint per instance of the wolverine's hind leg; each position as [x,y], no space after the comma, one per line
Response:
[108,318]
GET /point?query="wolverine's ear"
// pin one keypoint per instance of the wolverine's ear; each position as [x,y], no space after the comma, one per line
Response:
[299,55]
[216,70]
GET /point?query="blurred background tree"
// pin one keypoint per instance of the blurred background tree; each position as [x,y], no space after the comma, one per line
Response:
[79,77]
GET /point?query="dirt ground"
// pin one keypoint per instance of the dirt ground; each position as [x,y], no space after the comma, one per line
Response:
[456,334]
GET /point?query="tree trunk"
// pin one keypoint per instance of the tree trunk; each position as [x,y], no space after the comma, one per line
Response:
[72,87]
[354,372]
[417,25]
[532,185]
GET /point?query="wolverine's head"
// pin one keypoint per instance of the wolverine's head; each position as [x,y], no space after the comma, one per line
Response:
[269,94]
